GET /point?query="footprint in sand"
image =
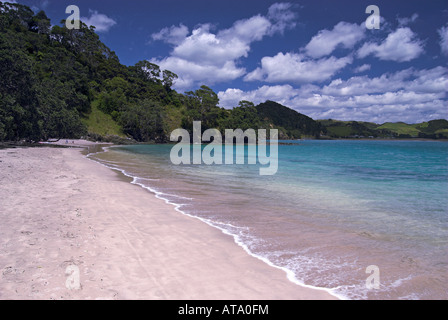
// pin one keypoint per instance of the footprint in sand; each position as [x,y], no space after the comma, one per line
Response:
[12,271]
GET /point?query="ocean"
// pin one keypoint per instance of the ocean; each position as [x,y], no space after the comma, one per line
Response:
[333,212]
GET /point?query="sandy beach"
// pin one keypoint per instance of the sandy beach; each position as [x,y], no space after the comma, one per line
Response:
[61,212]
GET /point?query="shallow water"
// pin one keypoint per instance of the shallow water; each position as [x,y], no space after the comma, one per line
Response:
[333,209]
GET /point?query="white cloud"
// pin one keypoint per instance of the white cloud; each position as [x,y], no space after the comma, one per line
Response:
[400,45]
[443,33]
[297,68]
[247,31]
[421,81]
[191,72]
[172,35]
[282,16]
[280,93]
[205,47]
[406,21]
[363,68]
[343,34]
[408,95]
[101,22]
[204,56]
[211,57]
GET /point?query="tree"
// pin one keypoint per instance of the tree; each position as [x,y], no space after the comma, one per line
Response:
[245,104]
[202,106]
[147,70]
[168,79]
[40,23]
[144,121]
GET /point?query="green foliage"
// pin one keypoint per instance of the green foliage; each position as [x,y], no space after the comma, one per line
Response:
[168,78]
[242,117]
[340,131]
[101,123]
[43,85]
[144,121]
[435,129]
[353,129]
[201,105]
[400,128]
[432,126]
[293,123]
[60,83]
[51,78]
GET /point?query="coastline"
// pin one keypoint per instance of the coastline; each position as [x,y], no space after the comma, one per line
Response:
[60,209]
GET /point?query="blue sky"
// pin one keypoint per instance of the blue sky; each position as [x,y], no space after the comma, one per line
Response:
[316,57]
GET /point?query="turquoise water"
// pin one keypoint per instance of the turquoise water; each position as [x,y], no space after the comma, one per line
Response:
[333,209]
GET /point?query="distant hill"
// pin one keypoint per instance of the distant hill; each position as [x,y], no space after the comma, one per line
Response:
[349,129]
[401,128]
[292,124]
[434,129]
[60,83]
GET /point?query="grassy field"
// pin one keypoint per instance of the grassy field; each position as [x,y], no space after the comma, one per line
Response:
[401,128]
[100,123]
[434,129]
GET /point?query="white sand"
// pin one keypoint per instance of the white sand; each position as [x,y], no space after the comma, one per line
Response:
[58,209]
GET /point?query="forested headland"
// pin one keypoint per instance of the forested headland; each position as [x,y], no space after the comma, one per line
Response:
[61,83]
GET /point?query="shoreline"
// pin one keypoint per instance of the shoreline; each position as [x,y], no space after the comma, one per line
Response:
[289,274]
[126,243]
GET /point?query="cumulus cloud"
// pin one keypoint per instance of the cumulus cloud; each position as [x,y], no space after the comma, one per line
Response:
[297,68]
[313,64]
[443,33]
[207,56]
[280,93]
[400,45]
[421,81]
[363,68]
[407,20]
[190,71]
[101,22]
[408,95]
[173,35]
[204,56]
[283,17]
[343,34]
[205,47]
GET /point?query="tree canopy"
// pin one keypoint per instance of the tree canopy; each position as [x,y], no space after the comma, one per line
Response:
[55,82]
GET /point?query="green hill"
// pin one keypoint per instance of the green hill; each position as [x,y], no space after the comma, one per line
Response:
[293,125]
[351,129]
[101,123]
[434,129]
[61,83]
[401,128]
